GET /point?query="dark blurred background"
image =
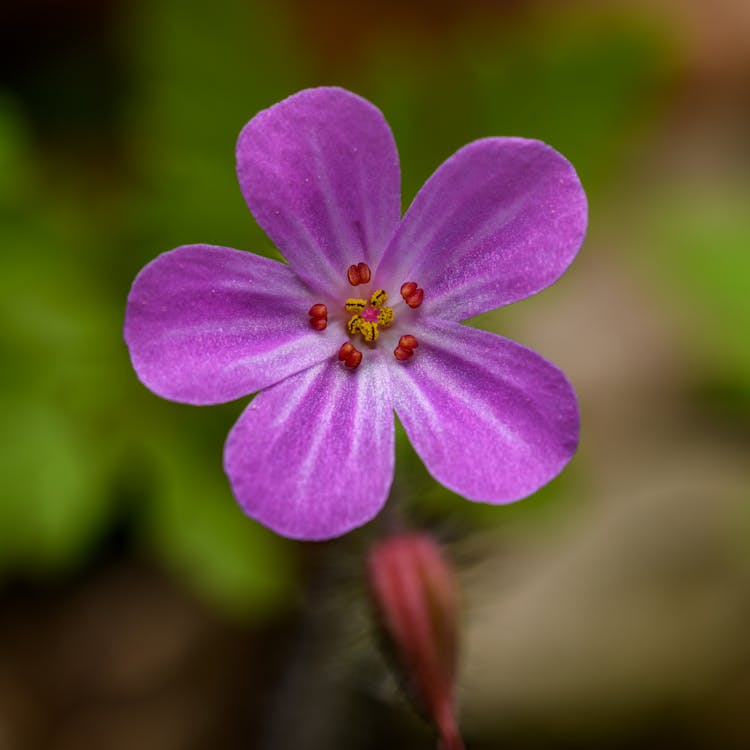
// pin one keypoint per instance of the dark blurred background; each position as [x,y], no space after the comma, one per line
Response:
[140,609]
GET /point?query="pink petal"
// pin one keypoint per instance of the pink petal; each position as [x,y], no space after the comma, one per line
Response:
[312,457]
[491,419]
[499,221]
[320,173]
[209,324]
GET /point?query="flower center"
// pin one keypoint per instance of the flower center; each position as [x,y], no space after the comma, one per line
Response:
[369,316]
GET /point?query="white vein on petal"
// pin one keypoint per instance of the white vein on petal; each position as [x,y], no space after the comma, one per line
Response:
[337,234]
[324,422]
[304,386]
[281,354]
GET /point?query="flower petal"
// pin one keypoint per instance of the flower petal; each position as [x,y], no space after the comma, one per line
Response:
[209,324]
[498,221]
[320,173]
[492,420]
[312,457]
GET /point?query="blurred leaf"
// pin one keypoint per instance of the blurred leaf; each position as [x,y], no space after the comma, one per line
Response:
[203,70]
[197,528]
[57,380]
[696,242]
[76,422]
[14,152]
[56,350]
[53,502]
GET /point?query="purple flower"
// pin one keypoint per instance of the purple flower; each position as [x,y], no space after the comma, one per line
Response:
[366,317]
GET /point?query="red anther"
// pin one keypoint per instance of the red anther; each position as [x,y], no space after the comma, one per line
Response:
[406,346]
[350,356]
[354,359]
[318,311]
[408,342]
[359,274]
[318,316]
[415,300]
[408,289]
[364,273]
[402,354]
[412,294]
[345,351]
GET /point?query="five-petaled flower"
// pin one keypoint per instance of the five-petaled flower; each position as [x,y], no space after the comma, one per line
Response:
[366,316]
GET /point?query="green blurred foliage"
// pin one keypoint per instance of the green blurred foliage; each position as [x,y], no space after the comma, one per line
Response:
[698,240]
[200,72]
[54,494]
[86,447]
[587,85]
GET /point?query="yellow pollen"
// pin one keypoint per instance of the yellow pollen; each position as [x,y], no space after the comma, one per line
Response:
[368,330]
[385,317]
[368,317]
[378,298]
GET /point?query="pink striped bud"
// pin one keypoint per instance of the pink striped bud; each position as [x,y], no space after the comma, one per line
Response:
[416,595]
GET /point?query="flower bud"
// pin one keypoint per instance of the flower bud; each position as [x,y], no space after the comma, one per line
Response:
[416,596]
